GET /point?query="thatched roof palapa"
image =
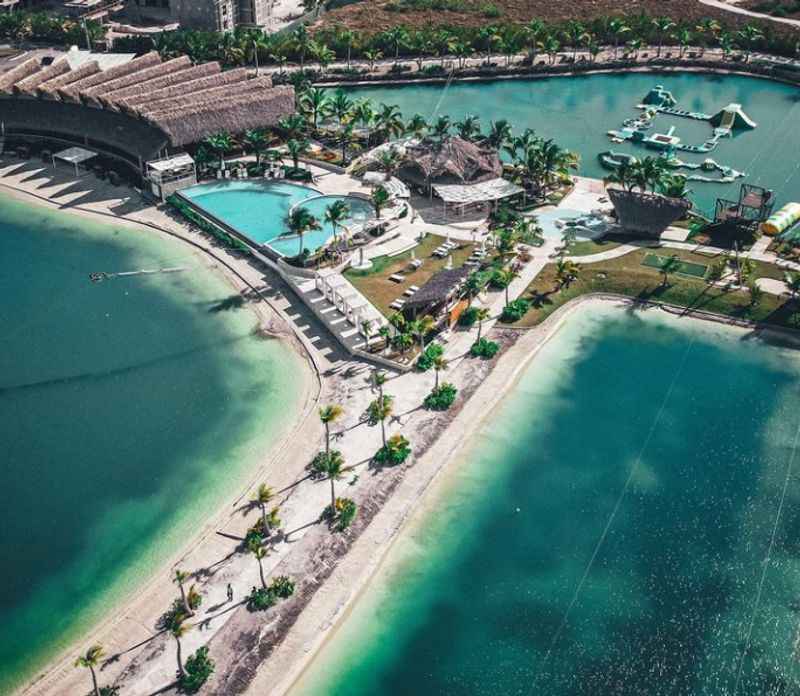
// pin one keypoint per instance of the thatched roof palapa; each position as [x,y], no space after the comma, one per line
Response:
[180,89]
[50,88]
[191,124]
[72,92]
[30,83]
[453,161]
[130,97]
[207,96]
[648,213]
[9,78]
[438,288]
[98,93]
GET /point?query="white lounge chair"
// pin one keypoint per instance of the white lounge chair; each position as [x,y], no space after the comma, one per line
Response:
[410,290]
[396,278]
[397,304]
[416,263]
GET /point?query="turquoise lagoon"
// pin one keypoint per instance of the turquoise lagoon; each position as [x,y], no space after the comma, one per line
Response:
[129,411]
[578,111]
[605,533]
[258,210]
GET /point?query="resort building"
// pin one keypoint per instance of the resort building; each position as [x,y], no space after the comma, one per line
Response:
[135,110]
[208,15]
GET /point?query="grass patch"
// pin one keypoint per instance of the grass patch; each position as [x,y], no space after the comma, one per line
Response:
[695,270]
[375,285]
[628,276]
[587,247]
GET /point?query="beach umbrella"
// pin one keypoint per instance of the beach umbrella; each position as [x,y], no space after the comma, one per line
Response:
[449,264]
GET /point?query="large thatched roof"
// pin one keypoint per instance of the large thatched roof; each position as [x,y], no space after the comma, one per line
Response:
[452,161]
[646,213]
[174,102]
[438,288]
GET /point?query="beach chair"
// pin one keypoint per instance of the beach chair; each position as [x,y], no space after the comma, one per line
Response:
[410,290]
[396,278]
[397,304]
[415,263]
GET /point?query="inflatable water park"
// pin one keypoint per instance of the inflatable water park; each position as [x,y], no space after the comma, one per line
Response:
[639,130]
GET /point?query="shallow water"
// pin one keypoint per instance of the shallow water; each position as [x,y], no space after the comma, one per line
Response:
[578,111]
[605,534]
[129,410]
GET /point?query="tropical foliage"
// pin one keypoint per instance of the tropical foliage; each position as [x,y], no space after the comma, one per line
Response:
[199,667]
[441,398]
[396,450]
[484,348]
[514,311]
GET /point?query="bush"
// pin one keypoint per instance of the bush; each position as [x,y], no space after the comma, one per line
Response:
[400,68]
[261,599]
[484,348]
[282,587]
[425,361]
[468,317]
[514,311]
[298,174]
[346,510]
[490,10]
[442,398]
[396,451]
[433,70]
[319,464]
[199,667]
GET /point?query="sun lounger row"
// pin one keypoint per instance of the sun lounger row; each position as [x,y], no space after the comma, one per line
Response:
[400,301]
[445,249]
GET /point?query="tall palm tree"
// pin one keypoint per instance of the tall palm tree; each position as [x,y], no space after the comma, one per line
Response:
[329,414]
[381,409]
[256,141]
[296,149]
[179,578]
[340,106]
[750,35]
[397,37]
[264,494]
[489,37]
[389,161]
[373,56]
[315,103]
[178,628]
[481,314]
[709,30]
[301,40]
[336,213]
[441,128]
[533,33]
[617,28]
[663,25]
[334,468]
[220,143]
[301,221]
[566,272]
[504,278]
[380,197]
[389,122]
[90,660]
[576,34]
[499,133]
[260,552]
[623,175]
[364,114]
[685,38]
[417,126]
[440,364]
[469,128]
[670,266]
[379,378]
[421,327]
[293,125]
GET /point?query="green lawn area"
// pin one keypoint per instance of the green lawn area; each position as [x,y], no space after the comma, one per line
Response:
[588,247]
[628,276]
[375,285]
[695,270]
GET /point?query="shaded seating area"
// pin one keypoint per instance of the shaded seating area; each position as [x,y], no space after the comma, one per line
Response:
[649,214]
[439,295]
[463,198]
[355,309]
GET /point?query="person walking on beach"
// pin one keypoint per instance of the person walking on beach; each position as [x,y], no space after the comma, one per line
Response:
[230,593]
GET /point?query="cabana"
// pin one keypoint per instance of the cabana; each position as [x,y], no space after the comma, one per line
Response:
[170,174]
[439,295]
[647,213]
[466,196]
[75,156]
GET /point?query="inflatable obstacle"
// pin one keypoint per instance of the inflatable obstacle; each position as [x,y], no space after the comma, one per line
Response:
[782,220]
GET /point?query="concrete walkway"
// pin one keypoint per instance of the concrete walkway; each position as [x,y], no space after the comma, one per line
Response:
[735,9]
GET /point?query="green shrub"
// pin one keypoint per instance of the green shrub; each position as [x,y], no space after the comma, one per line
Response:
[282,587]
[484,348]
[254,536]
[490,10]
[199,667]
[442,398]
[425,361]
[514,311]
[396,451]
[468,317]
[346,510]
[261,599]
[319,464]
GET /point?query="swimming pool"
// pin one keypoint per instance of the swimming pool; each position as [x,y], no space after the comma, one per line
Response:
[258,210]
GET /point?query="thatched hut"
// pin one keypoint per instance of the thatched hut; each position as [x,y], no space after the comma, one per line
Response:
[95,94]
[18,73]
[30,83]
[50,88]
[451,161]
[646,213]
[73,92]
[438,295]
[155,87]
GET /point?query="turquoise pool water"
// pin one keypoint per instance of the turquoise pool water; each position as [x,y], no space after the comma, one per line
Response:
[578,111]
[258,210]
[129,409]
[625,523]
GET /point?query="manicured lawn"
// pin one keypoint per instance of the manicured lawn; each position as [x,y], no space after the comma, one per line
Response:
[695,270]
[588,247]
[375,285]
[629,277]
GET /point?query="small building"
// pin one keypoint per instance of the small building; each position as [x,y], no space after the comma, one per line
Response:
[440,296]
[170,174]
[649,214]
[454,160]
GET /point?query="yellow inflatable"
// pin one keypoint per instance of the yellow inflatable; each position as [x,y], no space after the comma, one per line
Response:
[782,220]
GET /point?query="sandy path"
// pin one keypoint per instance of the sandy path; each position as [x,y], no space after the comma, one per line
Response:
[735,9]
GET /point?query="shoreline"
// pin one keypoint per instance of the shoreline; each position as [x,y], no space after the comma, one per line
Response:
[152,592]
[372,551]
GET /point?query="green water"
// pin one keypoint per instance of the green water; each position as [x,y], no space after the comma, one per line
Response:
[578,111]
[129,410]
[605,534]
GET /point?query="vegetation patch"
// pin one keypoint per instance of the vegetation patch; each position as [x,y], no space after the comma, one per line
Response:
[441,398]
[696,270]
[515,310]
[396,451]
[484,348]
[426,361]
[199,667]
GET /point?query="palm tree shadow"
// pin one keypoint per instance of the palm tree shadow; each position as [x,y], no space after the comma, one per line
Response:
[112,659]
[299,529]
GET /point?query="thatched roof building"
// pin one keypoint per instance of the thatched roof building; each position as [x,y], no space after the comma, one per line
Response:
[452,161]
[647,213]
[138,110]
[434,296]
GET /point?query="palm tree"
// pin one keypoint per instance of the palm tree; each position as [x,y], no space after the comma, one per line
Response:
[793,283]
[180,578]
[469,128]
[220,143]
[336,213]
[260,552]
[708,29]
[533,32]
[388,161]
[566,272]
[685,38]
[397,37]
[634,46]
[256,141]
[340,106]
[576,33]
[345,137]
[90,660]
[301,41]
[380,197]
[504,278]
[421,327]
[389,122]
[489,37]
[662,25]
[417,126]
[440,364]
[381,409]
[347,37]
[264,494]
[329,414]
[551,46]
[473,287]
[441,128]
[617,28]
[379,378]
[622,175]
[726,43]
[301,221]
[372,57]
[462,51]
[750,35]
[178,628]
[364,114]
[481,314]
[674,186]
[333,468]
[499,133]
[670,266]
[296,149]
[293,125]
[315,103]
